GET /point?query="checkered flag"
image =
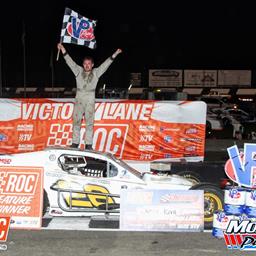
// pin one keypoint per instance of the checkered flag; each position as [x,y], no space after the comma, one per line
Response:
[77,29]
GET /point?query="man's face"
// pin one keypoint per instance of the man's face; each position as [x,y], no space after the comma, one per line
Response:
[88,65]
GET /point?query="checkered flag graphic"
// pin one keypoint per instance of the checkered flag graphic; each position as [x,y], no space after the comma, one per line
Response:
[77,29]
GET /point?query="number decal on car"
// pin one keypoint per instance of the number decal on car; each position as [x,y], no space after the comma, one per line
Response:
[89,200]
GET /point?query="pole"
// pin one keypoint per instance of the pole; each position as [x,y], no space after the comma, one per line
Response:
[58,54]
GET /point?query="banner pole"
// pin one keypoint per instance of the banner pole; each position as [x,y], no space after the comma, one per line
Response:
[58,54]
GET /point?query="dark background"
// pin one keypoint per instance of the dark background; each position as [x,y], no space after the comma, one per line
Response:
[161,34]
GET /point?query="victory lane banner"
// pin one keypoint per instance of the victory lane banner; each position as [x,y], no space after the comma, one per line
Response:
[21,196]
[141,130]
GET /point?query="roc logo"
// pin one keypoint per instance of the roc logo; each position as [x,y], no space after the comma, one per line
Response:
[241,168]
[4,227]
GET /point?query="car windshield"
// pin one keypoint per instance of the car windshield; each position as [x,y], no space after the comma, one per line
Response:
[125,165]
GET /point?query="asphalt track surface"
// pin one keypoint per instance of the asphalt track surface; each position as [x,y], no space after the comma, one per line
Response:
[114,243]
[73,237]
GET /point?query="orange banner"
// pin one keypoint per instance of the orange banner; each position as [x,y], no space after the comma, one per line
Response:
[21,196]
[132,130]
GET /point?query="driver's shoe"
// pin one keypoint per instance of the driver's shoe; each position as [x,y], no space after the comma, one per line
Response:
[74,145]
[88,146]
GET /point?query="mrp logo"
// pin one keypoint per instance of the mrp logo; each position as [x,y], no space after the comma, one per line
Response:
[241,235]
[18,183]
[241,168]
[4,227]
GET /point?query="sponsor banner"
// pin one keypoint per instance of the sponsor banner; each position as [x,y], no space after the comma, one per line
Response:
[131,130]
[135,79]
[200,78]
[4,227]
[21,196]
[234,77]
[241,166]
[240,235]
[165,78]
[161,210]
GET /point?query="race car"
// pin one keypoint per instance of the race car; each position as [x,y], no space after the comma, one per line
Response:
[85,182]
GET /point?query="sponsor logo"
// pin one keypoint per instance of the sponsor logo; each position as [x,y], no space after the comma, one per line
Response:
[25,127]
[25,137]
[5,160]
[221,217]
[190,155]
[3,137]
[241,168]
[4,228]
[81,29]
[146,156]
[253,195]
[146,147]
[241,235]
[169,129]
[50,174]
[107,138]
[56,212]
[167,138]
[191,139]
[52,157]
[234,193]
[146,138]
[190,148]
[168,73]
[147,128]
[26,147]
[167,156]
[161,148]
[18,183]
[191,131]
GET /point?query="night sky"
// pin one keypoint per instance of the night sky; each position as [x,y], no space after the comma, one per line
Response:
[185,34]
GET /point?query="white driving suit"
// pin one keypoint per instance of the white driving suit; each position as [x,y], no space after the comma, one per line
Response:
[86,83]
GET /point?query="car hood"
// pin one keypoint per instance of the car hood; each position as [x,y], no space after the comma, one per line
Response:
[167,179]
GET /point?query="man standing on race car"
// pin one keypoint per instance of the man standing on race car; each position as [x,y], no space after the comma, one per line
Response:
[86,81]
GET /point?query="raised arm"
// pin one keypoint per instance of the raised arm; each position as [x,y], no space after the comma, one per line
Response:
[104,66]
[72,65]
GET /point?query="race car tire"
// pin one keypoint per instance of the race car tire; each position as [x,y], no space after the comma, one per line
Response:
[193,176]
[45,203]
[213,201]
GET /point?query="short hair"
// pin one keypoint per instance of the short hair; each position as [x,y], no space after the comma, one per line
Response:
[88,58]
